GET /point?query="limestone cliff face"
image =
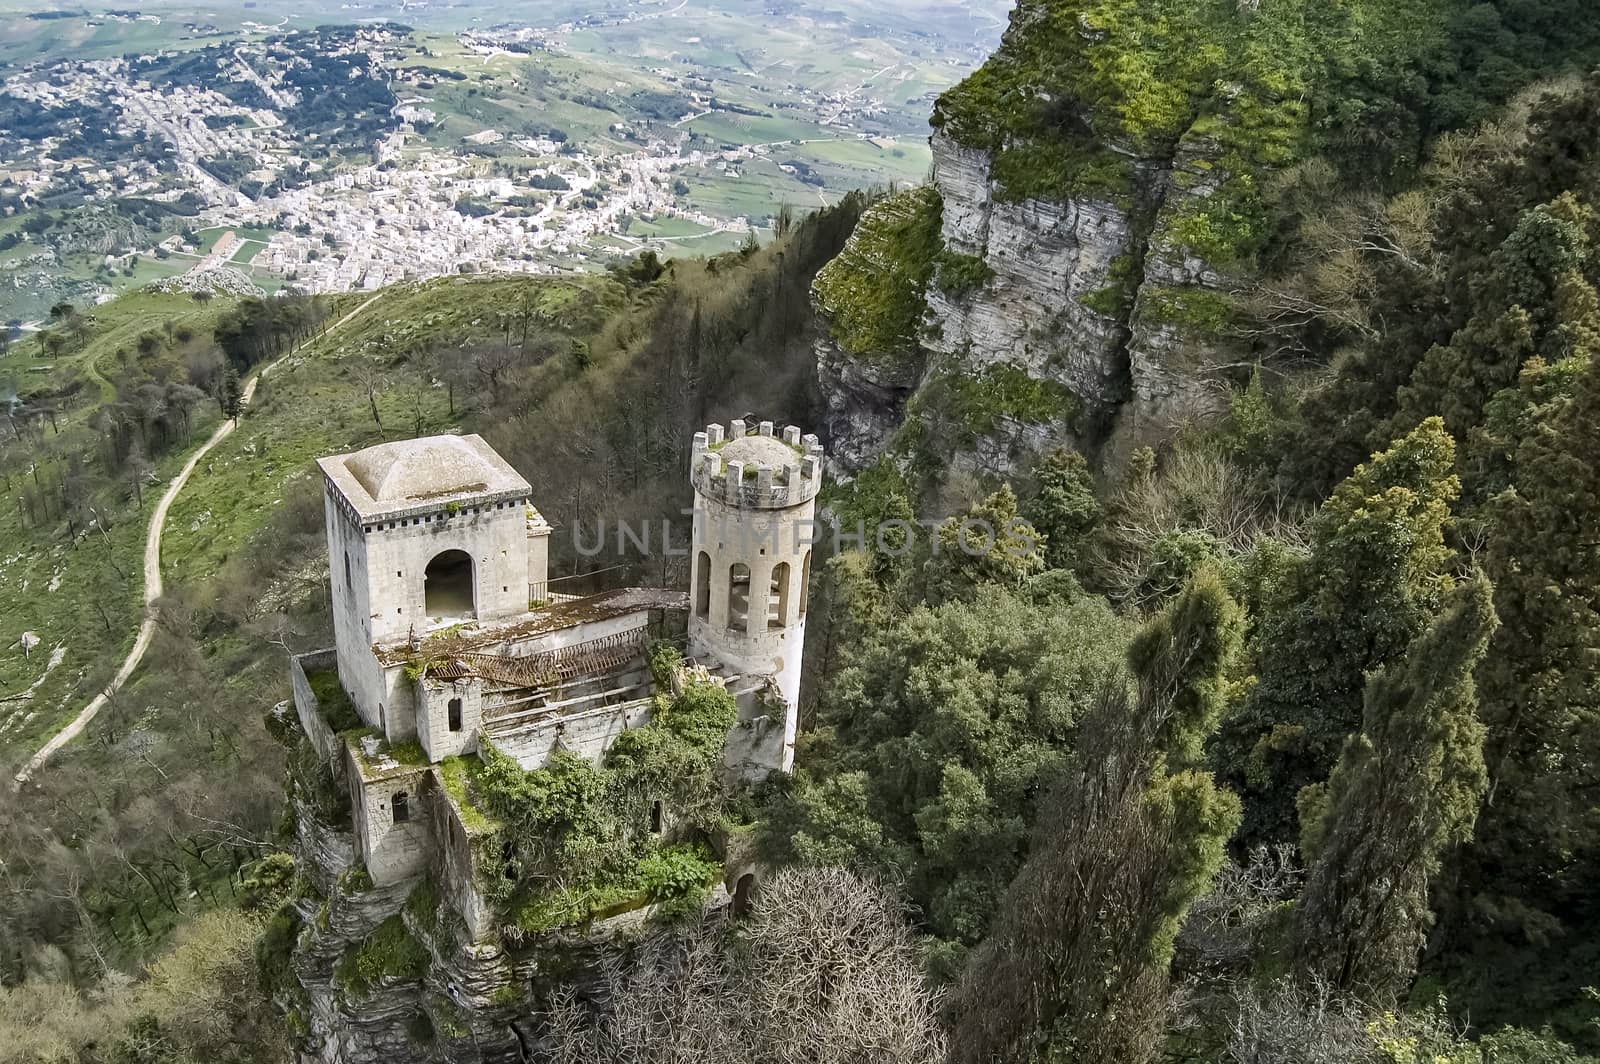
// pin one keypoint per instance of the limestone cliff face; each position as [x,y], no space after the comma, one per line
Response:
[864,402]
[1092,237]
[1045,261]
[391,975]
[1179,331]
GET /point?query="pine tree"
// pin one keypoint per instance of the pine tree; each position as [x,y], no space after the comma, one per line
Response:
[1405,788]
[989,544]
[232,399]
[1541,699]
[1371,583]
[1076,966]
[1064,508]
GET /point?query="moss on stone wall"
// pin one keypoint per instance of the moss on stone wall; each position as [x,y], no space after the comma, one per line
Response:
[1198,312]
[389,954]
[957,274]
[337,709]
[977,403]
[457,774]
[872,293]
[1115,298]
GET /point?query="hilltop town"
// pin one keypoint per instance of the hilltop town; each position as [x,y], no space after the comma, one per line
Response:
[351,157]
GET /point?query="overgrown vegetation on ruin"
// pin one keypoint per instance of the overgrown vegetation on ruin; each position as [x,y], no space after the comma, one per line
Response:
[572,841]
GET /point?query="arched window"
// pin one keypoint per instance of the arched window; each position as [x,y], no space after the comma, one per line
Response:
[805,582]
[738,597]
[455,714]
[702,585]
[400,804]
[447,588]
[778,596]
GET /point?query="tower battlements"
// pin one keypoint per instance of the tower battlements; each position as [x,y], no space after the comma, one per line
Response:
[757,469]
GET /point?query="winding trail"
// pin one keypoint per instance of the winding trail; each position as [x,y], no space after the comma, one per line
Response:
[152,567]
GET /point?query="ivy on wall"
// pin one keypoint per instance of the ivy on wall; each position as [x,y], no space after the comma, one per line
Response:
[575,841]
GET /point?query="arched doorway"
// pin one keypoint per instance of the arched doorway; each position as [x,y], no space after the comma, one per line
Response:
[447,587]
[743,893]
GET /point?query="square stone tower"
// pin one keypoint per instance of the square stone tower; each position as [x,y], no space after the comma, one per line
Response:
[422,534]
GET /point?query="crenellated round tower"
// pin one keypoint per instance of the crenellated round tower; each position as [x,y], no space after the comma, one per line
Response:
[754,523]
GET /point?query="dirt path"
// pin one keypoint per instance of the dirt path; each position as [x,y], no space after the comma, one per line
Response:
[152,570]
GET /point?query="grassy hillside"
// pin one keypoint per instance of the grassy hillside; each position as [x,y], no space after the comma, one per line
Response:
[72,544]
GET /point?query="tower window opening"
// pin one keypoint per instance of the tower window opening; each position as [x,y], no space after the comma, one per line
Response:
[455,714]
[348,583]
[447,585]
[738,597]
[778,596]
[702,585]
[805,582]
[400,805]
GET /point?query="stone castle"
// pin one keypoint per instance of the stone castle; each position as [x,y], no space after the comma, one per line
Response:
[450,635]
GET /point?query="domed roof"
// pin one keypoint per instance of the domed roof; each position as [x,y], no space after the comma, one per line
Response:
[419,469]
[415,475]
[759,450]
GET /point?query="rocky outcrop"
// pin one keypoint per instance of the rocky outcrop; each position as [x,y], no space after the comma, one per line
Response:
[863,402]
[1100,204]
[1050,266]
[1093,295]
[1179,321]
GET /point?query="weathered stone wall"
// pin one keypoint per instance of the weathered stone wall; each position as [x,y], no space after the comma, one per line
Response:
[587,734]
[496,537]
[391,850]
[434,717]
[762,738]
[378,595]
[309,711]
[454,869]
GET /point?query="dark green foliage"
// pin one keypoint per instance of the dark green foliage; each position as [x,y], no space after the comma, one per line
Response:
[1076,967]
[1493,330]
[958,274]
[988,548]
[1529,875]
[258,329]
[389,954]
[584,832]
[1063,508]
[273,950]
[1373,579]
[938,735]
[1406,787]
